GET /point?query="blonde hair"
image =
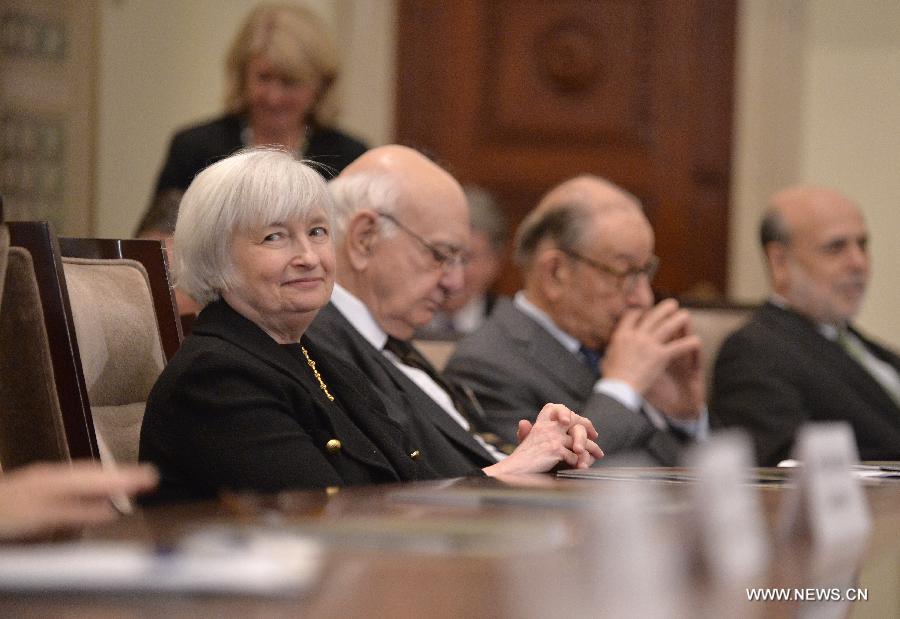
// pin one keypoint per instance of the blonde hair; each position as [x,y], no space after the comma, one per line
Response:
[296,41]
[252,189]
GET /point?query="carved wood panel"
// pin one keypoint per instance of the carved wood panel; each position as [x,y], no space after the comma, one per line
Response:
[518,95]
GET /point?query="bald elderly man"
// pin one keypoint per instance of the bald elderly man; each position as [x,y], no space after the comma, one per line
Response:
[584,330]
[401,229]
[799,358]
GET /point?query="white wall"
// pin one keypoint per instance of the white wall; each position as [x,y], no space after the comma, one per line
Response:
[818,100]
[162,67]
[851,133]
[367,33]
[768,128]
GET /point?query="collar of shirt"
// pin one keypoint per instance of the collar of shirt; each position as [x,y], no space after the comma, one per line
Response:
[359,316]
[538,315]
[829,332]
[356,312]
[615,389]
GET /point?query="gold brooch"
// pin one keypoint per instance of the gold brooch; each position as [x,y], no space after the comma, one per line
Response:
[312,365]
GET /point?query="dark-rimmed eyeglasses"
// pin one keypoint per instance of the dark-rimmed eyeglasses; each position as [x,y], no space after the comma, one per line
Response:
[626,280]
[445,259]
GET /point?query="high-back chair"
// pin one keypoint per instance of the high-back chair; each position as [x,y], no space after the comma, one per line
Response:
[438,352]
[127,329]
[32,425]
[713,323]
[152,256]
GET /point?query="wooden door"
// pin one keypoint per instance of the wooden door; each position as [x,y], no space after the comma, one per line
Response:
[518,95]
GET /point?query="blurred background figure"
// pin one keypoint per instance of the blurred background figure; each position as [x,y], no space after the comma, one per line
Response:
[281,70]
[801,358]
[43,499]
[464,311]
[159,224]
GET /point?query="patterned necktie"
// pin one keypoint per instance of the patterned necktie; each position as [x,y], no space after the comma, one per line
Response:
[462,398]
[591,358]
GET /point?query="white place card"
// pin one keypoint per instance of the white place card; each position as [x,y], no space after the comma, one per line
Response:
[728,526]
[828,503]
[208,561]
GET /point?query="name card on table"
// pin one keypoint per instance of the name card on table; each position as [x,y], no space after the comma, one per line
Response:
[828,503]
[213,560]
[728,523]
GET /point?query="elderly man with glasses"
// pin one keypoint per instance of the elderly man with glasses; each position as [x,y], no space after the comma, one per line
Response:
[401,232]
[584,330]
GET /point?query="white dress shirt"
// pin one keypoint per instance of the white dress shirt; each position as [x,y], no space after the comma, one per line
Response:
[356,312]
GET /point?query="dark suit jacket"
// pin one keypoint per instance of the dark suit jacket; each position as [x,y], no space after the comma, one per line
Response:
[234,409]
[515,367]
[447,447]
[778,371]
[196,147]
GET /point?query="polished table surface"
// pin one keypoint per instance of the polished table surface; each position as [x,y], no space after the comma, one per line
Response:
[481,547]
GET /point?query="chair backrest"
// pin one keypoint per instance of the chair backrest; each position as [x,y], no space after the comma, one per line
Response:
[34,246]
[127,328]
[713,323]
[151,254]
[438,352]
[31,423]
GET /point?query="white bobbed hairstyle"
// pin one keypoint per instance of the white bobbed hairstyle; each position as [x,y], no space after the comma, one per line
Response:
[249,190]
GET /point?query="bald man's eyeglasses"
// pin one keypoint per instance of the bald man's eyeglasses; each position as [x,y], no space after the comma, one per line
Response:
[626,280]
[447,259]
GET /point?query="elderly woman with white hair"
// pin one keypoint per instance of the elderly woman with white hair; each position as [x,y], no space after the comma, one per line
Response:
[249,402]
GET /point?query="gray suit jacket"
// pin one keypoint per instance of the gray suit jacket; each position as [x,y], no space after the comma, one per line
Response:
[515,366]
[446,446]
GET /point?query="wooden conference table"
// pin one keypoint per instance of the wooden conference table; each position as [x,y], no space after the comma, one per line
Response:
[523,547]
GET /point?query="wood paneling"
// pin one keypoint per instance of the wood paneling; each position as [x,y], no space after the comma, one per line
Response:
[518,95]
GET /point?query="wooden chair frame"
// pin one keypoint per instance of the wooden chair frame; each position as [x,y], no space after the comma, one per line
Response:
[39,239]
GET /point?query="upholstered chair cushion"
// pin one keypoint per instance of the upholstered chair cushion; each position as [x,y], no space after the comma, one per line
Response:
[120,346]
[712,326]
[438,352]
[31,426]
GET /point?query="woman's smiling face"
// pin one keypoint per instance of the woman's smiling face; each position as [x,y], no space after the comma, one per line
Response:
[283,274]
